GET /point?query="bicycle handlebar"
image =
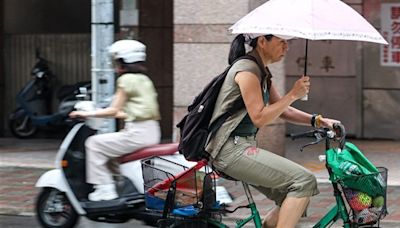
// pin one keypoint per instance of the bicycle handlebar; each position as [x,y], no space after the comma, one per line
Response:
[307,134]
[338,133]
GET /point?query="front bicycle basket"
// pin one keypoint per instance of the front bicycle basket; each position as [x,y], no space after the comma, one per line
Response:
[367,208]
[363,184]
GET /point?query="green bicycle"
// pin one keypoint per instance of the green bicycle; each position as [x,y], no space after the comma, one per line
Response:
[187,198]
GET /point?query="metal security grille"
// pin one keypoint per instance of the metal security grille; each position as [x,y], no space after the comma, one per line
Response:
[68,54]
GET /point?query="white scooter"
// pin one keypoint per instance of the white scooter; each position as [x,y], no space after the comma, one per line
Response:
[64,194]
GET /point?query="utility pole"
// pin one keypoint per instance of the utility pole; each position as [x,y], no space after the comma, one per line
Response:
[102,72]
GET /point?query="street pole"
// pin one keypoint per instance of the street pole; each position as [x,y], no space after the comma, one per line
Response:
[102,72]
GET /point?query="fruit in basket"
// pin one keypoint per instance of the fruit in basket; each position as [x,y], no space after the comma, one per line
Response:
[378,201]
[364,198]
[366,216]
[360,201]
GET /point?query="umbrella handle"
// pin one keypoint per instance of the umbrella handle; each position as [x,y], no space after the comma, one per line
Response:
[305,59]
[305,98]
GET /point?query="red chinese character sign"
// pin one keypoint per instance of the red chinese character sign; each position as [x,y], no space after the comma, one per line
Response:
[390,20]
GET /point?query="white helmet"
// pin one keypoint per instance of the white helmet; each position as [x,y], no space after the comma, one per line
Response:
[130,51]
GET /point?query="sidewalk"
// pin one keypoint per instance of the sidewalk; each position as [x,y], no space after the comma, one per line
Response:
[23,161]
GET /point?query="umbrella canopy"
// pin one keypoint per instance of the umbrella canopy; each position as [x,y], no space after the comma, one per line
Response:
[308,19]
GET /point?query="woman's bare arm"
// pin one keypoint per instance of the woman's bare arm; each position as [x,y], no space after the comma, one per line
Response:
[296,116]
[292,115]
[259,113]
[111,111]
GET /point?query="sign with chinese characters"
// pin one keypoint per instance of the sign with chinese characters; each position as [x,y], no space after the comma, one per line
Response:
[390,21]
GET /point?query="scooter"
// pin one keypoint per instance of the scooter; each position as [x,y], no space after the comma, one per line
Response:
[34,102]
[64,194]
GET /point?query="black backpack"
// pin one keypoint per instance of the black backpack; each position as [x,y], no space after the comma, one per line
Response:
[195,127]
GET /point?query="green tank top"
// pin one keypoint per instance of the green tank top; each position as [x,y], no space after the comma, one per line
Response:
[246,126]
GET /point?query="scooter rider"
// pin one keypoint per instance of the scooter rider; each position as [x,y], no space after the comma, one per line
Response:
[136,101]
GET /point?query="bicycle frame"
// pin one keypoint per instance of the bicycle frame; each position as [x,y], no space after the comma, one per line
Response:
[254,216]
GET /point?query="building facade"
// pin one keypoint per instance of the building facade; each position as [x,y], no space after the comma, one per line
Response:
[188,44]
[348,82]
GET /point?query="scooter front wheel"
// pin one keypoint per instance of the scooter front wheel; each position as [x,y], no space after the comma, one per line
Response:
[22,127]
[53,209]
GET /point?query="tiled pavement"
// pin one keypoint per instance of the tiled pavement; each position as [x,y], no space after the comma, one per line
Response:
[17,189]
[22,163]
[18,194]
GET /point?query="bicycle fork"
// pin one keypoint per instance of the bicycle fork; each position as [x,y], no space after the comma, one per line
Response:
[338,211]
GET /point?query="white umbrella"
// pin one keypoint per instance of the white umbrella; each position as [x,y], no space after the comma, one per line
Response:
[308,19]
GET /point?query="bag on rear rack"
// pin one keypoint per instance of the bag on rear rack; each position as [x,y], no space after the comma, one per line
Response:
[195,127]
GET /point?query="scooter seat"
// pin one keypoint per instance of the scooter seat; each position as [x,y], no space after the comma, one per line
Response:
[156,150]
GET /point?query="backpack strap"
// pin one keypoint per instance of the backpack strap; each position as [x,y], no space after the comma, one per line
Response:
[238,103]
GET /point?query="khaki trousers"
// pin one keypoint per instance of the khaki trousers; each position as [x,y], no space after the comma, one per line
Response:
[103,149]
[273,175]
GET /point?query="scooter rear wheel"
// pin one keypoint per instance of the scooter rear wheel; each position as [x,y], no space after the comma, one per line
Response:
[53,209]
[22,127]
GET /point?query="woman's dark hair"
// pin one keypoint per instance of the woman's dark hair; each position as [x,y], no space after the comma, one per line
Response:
[238,49]
[137,67]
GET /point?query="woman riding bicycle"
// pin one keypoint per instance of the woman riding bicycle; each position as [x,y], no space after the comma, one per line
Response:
[233,149]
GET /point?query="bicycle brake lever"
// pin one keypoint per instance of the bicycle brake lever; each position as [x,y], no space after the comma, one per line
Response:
[319,139]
